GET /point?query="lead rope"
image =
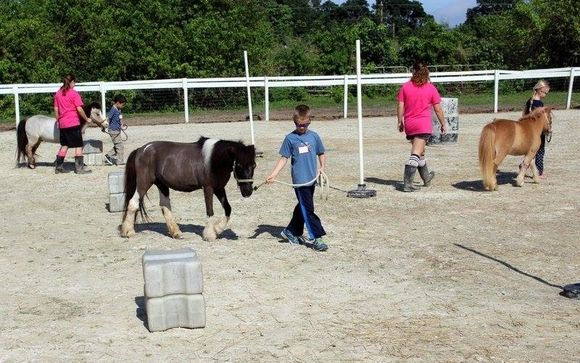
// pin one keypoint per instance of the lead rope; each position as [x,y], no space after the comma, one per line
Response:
[321,178]
[120,134]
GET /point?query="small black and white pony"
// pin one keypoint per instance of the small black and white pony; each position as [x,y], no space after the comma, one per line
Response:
[206,164]
[38,128]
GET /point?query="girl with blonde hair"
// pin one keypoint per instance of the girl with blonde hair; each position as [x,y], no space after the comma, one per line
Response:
[541,89]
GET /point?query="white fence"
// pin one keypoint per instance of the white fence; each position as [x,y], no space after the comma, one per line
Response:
[296,81]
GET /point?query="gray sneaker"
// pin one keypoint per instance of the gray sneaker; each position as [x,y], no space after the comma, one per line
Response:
[292,239]
[109,160]
[319,245]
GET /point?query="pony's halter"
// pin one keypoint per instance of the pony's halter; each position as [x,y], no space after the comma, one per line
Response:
[238,180]
[98,123]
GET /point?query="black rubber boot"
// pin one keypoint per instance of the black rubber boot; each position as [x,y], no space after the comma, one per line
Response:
[426,175]
[408,178]
[59,165]
[80,166]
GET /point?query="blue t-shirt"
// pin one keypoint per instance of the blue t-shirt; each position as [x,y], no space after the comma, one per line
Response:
[302,150]
[115,119]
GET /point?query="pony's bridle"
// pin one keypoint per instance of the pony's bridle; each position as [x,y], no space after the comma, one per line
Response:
[238,180]
[548,133]
[98,123]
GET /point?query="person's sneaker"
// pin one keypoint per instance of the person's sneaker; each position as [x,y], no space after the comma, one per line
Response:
[286,234]
[304,240]
[319,245]
[109,160]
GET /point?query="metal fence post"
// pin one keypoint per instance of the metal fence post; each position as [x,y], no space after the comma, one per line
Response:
[345,97]
[570,89]
[16,105]
[496,91]
[103,91]
[266,100]
[185,100]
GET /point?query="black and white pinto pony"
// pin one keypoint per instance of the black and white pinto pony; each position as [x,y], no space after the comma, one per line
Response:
[38,128]
[206,164]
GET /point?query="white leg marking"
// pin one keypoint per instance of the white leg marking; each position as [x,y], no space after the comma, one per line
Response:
[209,230]
[128,225]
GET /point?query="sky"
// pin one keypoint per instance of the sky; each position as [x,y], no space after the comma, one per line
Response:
[451,12]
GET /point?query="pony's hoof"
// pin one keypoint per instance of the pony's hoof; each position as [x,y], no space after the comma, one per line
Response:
[127,233]
[31,166]
[220,225]
[209,234]
[176,235]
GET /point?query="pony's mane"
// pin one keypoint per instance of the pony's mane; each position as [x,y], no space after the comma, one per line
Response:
[243,153]
[534,114]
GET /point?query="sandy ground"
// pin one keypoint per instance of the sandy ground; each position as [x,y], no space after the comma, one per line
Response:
[447,274]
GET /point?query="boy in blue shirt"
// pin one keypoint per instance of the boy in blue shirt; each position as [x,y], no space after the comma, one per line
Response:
[116,125]
[302,147]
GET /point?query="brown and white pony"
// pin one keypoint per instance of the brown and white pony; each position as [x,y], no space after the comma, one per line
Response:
[206,164]
[501,137]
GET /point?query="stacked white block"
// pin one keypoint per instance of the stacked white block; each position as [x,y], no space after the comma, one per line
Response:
[450,107]
[116,181]
[93,152]
[173,289]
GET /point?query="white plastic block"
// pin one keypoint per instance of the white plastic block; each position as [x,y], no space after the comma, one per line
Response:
[93,159]
[116,202]
[450,107]
[116,180]
[92,147]
[175,311]
[172,272]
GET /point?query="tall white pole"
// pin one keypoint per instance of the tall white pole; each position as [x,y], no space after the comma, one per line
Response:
[359,112]
[249,95]
[361,191]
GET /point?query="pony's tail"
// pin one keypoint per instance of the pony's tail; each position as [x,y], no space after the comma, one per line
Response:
[21,142]
[131,186]
[487,155]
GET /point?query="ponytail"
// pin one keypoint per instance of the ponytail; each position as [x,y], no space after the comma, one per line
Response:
[67,80]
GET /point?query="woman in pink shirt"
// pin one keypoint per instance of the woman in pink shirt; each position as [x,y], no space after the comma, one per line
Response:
[415,99]
[68,109]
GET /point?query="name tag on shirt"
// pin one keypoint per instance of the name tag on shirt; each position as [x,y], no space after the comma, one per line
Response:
[302,149]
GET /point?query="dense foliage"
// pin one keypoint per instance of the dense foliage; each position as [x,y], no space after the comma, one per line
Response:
[112,40]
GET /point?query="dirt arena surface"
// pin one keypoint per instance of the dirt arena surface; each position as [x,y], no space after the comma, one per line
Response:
[447,274]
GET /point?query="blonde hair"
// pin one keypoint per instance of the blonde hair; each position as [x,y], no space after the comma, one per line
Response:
[539,85]
[301,112]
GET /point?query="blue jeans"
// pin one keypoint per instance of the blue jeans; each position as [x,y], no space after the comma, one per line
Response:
[304,214]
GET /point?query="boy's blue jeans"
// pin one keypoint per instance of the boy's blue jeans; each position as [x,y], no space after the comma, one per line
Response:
[304,214]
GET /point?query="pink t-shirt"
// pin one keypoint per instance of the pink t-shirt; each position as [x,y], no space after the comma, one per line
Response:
[417,111]
[67,108]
